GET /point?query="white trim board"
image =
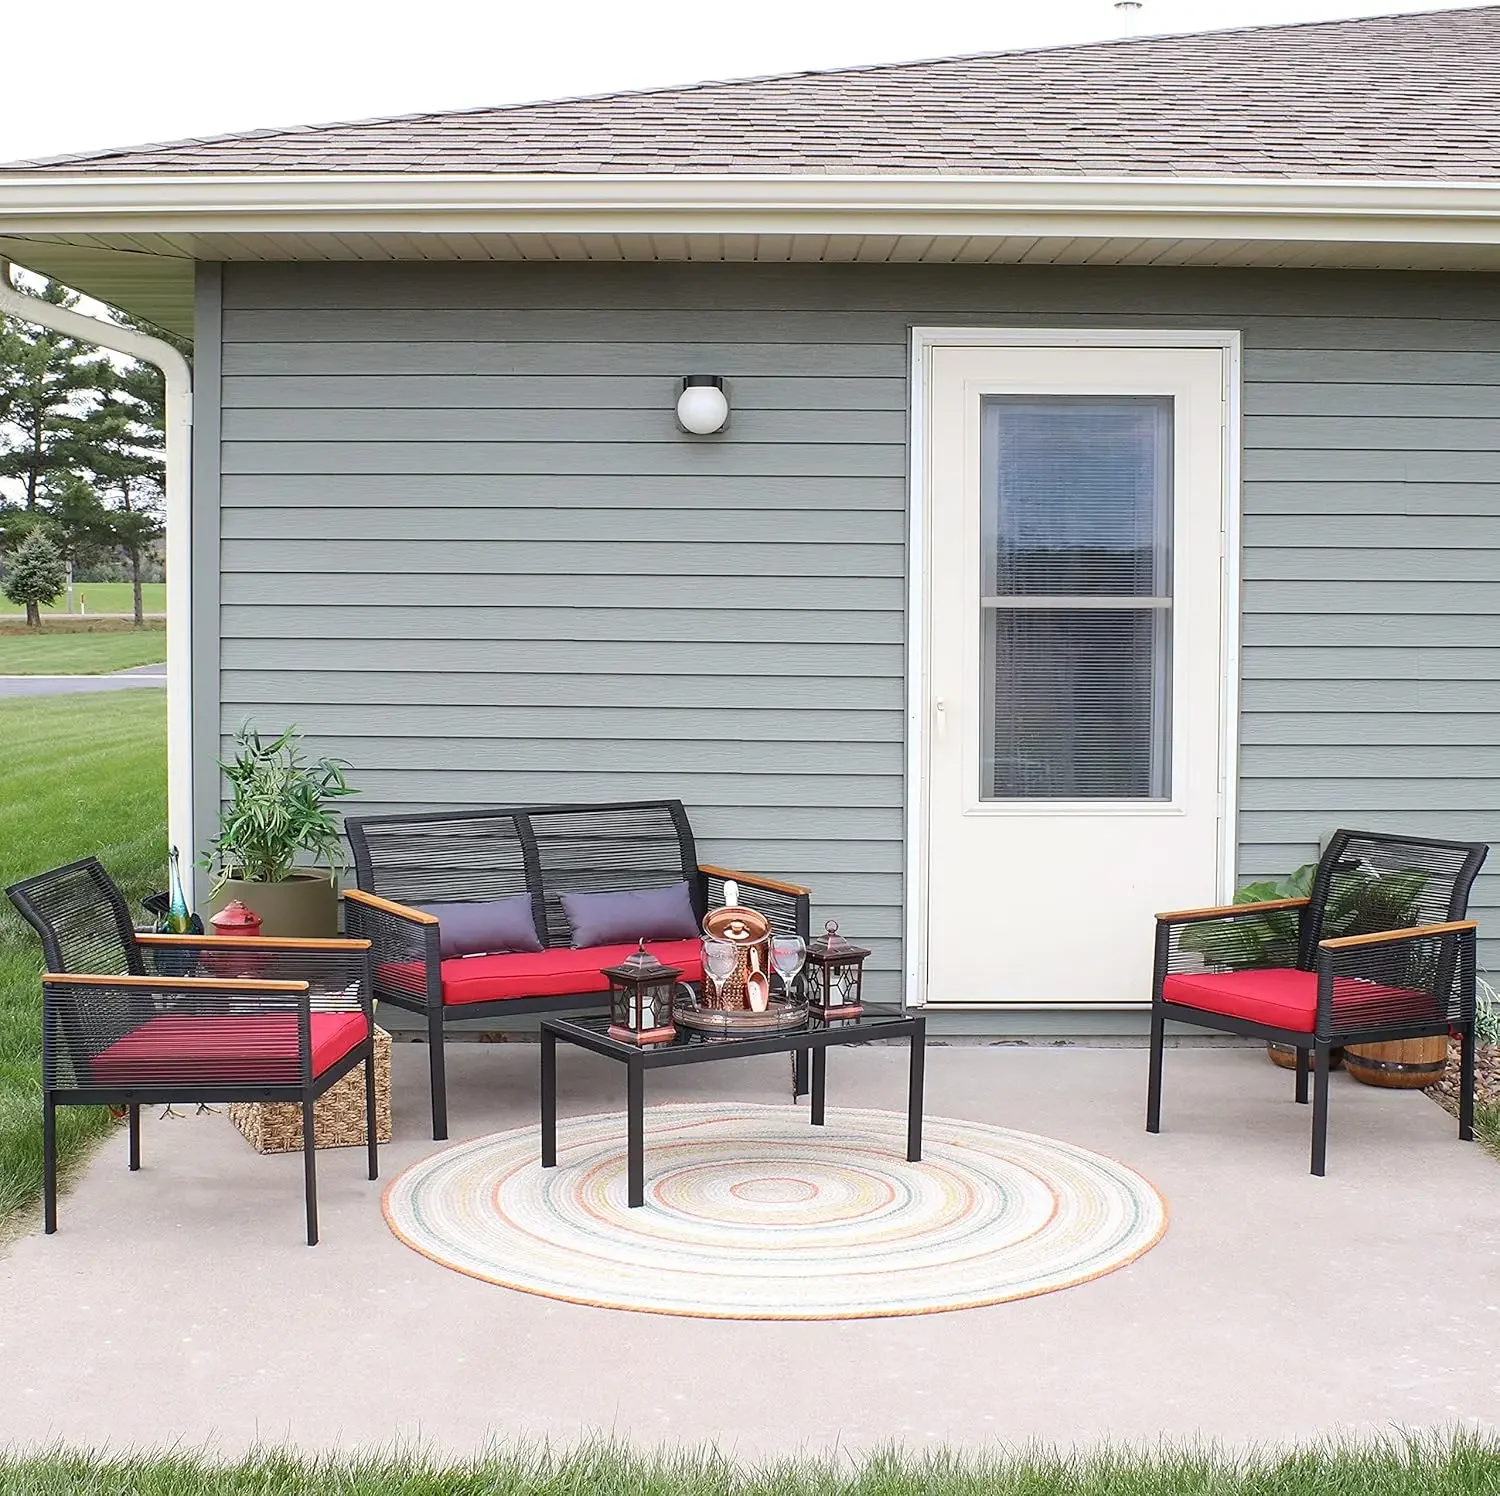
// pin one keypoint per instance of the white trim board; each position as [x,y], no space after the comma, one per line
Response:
[923,340]
[1386,211]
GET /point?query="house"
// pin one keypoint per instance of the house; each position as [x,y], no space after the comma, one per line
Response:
[1108,505]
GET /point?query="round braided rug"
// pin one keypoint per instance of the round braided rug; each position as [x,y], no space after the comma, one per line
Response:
[751,1213]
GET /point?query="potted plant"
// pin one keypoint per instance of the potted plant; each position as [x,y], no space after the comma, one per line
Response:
[279,818]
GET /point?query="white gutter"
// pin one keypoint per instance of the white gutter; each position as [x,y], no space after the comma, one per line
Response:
[189,205]
[179,438]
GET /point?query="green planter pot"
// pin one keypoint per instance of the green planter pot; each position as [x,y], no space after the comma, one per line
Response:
[304,907]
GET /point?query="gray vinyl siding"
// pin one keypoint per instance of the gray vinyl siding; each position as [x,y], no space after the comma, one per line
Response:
[464,545]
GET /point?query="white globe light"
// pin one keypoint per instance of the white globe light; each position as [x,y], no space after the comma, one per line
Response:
[702,409]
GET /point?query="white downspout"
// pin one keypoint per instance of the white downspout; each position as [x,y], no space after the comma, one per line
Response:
[179,477]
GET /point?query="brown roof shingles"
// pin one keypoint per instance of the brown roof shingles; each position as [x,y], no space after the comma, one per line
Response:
[1398,96]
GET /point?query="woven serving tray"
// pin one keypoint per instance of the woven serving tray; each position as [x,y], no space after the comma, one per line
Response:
[779,1015]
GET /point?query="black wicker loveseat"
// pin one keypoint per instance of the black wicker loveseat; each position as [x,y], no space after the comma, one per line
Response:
[538,853]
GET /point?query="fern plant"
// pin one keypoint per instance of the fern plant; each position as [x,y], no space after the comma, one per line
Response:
[280,809]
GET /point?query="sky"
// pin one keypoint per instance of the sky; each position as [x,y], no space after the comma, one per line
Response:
[168,69]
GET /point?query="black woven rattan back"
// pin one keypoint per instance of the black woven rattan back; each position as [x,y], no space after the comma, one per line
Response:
[440,857]
[541,850]
[606,848]
[82,919]
[85,928]
[1371,880]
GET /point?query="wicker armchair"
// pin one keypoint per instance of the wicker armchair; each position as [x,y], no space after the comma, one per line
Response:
[134,1019]
[1379,950]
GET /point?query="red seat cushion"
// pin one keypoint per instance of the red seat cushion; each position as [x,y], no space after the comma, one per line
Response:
[556,973]
[1282,997]
[224,1050]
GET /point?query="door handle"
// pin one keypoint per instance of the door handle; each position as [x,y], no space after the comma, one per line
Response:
[940,717]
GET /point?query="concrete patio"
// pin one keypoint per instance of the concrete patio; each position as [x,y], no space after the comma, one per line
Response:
[180,1304]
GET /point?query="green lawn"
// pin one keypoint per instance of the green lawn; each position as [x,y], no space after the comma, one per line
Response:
[1462,1465]
[78,651]
[107,597]
[78,775]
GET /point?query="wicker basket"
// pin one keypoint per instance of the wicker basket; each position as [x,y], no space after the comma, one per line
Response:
[338,1114]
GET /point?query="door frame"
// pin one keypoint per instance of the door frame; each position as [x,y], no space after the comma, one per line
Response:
[918,717]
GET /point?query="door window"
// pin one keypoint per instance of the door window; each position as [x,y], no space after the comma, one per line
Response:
[1076,597]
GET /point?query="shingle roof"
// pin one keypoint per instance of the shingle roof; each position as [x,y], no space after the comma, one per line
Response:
[1410,96]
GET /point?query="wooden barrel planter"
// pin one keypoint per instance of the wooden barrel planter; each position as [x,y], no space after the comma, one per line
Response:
[1285,1055]
[1401,1064]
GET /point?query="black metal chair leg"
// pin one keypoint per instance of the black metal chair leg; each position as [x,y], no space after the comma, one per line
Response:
[1301,1076]
[49,1165]
[549,1099]
[635,1144]
[372,1144]
[1466,1083]
[1153,1080]
[310,1168]
[437,1074]
[915,1075]
[1320,1111]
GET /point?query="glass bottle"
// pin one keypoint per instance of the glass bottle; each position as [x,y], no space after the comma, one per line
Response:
[179,922]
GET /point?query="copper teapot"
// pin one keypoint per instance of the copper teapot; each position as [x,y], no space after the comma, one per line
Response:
[749,932]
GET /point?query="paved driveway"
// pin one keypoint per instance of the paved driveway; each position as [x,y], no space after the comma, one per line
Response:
[179,1303]
[66,685]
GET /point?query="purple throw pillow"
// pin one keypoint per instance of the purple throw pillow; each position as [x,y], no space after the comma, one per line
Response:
[487,927]
[633,914]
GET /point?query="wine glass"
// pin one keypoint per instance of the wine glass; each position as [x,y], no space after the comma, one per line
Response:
[788,952]
[719,961]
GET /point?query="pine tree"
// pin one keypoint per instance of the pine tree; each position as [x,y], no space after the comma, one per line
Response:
[34,574]
[82,441]
[48,377]
[76,520]
[120,442]
[124,450]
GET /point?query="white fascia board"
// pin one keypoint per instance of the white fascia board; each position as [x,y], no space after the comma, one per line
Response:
[1144,207]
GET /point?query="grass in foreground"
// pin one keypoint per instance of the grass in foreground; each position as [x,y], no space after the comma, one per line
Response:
[104,597]
[79,775]
[1456,1465]
[1487,1130]
[81,649]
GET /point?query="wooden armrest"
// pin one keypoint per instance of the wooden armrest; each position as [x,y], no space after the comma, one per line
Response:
[1228,911]
[389,906]
[255,942]
[1384,937]
[170,984]
[755,880]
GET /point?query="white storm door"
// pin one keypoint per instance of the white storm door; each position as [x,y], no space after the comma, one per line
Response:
[1075,663]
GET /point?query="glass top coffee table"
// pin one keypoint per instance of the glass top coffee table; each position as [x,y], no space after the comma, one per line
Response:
[693,1048]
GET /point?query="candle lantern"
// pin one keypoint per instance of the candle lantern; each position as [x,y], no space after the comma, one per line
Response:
[835,973]
[641,990]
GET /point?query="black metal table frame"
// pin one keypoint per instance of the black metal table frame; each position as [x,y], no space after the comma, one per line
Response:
[637,1061]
